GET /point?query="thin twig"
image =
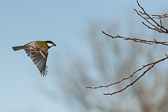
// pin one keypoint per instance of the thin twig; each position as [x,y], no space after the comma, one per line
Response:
[137,39]
[150,19]
[150,66]
[155,16]
[114,83]
[130,83]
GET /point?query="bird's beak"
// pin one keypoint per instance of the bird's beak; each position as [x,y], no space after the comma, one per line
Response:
[54,44]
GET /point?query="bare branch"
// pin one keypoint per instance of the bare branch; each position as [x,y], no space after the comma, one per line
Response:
[151,24]
[150,66]
[130,83]
[150,19]
[154,16]
[137,39]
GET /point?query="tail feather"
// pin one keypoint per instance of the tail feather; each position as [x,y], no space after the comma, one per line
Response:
[15,48]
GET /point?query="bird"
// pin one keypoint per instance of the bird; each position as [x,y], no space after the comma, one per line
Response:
[38,52]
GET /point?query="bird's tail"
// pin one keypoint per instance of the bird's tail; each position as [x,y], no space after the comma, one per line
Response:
[15,48]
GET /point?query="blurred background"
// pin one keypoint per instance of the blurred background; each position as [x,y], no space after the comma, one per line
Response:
[83,56]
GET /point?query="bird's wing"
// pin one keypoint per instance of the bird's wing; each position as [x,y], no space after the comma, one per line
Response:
[39,57]
[27,52]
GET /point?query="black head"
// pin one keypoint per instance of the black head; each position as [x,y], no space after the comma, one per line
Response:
[50,43]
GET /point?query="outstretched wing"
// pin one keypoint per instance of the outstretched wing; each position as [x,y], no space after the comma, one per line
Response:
[39,57]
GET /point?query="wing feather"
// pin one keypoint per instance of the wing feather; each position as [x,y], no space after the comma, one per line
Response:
[39,57]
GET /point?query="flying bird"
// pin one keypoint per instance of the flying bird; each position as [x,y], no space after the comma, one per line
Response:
[38,52]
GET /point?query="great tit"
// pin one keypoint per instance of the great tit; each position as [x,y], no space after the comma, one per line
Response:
[38,52]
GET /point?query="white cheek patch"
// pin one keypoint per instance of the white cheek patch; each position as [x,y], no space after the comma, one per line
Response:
[49,44]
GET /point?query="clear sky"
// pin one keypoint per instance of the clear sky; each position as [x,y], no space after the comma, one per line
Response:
[65,22]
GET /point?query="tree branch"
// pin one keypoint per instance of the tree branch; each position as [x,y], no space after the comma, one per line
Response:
[150,19]
[150,66]
[137,39]
[151,24]
[155,16]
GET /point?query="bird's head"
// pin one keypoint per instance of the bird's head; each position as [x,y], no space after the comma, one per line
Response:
[50,44]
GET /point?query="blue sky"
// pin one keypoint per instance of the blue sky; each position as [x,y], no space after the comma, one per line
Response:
[66,23]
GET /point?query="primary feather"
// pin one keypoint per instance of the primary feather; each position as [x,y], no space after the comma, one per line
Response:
[39,58]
